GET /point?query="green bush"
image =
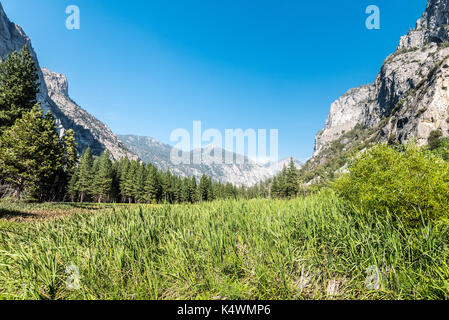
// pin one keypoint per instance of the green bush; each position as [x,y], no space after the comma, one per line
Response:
[412,184]
[435,139]
[443,150]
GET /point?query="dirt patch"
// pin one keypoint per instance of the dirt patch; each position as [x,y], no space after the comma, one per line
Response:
[44,214]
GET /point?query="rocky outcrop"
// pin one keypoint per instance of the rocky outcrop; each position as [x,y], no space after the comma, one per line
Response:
[53,96]
[409,97]
[89,131]
[432,27]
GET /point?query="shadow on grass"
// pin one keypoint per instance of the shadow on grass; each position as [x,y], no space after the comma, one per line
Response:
[14,214]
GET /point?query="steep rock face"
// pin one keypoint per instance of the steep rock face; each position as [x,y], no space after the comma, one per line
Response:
[53,97]
[89,131]
[432,27]
[248,173]
[409,96]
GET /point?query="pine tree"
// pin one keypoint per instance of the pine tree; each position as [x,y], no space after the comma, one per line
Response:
[292,180]
[167,188]
[275,192]
[123,168]
[30,152]
[59,188]
[85,175]
[18,86]
[72,187]
[139,180]
[185,197]
[205,191]
[152,185]
[70,152]
[193,190]
[102,186]
[128,183]
[115,192]
[282,189]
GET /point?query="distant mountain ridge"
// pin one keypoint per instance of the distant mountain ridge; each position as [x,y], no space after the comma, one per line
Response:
[248,173]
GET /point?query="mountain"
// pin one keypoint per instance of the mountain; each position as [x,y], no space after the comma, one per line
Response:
[248,173]
[408,100]
[90,131]
[53,96]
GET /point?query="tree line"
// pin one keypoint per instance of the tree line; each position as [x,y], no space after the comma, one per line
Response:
[99,179]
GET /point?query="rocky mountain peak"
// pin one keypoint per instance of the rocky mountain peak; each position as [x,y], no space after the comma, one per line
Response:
[89,131]
[435,16]
[433,26]
[409,98]
[56,82]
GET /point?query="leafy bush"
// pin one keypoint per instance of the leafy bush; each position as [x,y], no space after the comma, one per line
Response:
[411,183]
[435,139]
[443,150]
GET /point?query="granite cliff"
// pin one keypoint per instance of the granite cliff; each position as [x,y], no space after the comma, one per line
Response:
[409,98]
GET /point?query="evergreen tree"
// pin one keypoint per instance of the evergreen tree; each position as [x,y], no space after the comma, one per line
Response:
[205,192]
[30,152]
[167,190]
[128,183]
[102,186]
[185,195]
[85,175]
[282,190]
[18,86]
[115,192]
[123,168]
[193,190]
[72,187]
[58,189]
[70,153]
[291,180]
[139,181]
[152,185]
[275,191]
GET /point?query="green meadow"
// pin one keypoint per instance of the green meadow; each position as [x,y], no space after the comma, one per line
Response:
[316,247]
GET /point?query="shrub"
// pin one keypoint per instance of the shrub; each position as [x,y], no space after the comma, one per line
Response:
[443,150]
[435,139]
[411,183]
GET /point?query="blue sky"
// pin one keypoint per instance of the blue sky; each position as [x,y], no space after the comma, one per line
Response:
[148,67]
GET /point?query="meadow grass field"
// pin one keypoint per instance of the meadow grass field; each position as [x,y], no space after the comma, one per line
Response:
[309,248]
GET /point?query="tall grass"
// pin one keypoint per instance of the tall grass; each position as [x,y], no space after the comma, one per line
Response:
[313,248]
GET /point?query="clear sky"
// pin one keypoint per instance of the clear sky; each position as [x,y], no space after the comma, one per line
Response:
[148,67]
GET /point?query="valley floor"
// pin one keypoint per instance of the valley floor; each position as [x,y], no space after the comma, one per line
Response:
[311,248]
